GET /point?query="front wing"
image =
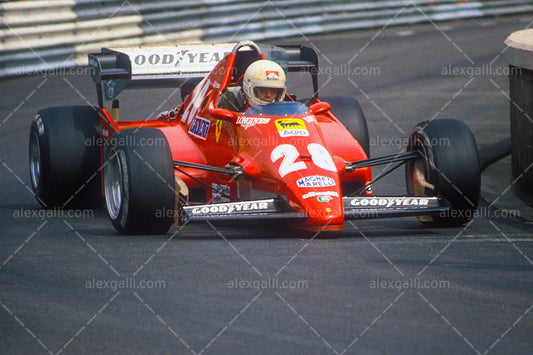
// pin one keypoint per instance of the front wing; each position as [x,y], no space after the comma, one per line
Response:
[278,209]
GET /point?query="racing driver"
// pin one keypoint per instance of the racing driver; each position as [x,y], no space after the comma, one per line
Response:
[264,82]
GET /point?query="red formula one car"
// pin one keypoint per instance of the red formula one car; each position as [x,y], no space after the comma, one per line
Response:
[201,162]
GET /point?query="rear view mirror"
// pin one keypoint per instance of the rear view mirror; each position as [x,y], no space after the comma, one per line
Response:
[223,114]
[319,107]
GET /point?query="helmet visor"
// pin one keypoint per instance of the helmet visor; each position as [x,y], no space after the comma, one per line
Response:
[267,94]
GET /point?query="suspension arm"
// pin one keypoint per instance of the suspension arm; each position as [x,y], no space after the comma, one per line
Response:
[403,157]
[233,170]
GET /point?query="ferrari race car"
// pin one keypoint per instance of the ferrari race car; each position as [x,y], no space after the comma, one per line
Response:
[203,162]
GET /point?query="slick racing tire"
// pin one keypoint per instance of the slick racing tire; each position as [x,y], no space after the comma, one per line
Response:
[64,157]
[449,168]
[139,183]
[348,111]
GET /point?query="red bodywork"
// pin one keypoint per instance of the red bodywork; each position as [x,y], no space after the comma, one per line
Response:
[301,156]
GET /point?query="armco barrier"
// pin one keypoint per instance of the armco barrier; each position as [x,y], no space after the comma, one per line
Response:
[39,36]
[519,55]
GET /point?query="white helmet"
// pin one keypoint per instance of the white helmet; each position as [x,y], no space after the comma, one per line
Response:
[263,74]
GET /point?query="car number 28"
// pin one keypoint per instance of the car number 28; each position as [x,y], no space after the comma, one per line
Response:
[289,153]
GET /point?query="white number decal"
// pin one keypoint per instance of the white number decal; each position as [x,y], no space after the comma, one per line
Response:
[190,113]
[289,153]
[321,157]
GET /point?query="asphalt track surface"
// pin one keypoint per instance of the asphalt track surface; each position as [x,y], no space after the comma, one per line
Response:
[71,284]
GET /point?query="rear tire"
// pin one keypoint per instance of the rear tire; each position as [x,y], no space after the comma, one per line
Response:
[449,168]
[139,182]
[349,112]
[64,157]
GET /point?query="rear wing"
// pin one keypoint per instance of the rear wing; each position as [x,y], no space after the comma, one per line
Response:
[114,69]
[153,66]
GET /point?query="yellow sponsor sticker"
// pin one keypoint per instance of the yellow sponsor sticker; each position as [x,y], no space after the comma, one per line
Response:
[292,127]
[218,129]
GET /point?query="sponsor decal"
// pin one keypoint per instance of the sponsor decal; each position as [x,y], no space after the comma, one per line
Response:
[320,193]
[390,201]
[180,58]
[324,198]
[220,193]
[315,181]
[247,122]
[272,75]
[218,130]
[175,59]
[229,208]
[291,127]
[200,127]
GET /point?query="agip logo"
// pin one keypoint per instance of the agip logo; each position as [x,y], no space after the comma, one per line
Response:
[292,127]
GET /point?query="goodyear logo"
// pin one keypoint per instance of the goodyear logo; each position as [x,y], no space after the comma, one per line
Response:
[315,181]
[200,127]
[179,58]
[390,201]
[231,208]
[291,127]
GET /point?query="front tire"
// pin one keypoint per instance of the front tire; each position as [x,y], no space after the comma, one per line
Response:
[449,167]
[139,182]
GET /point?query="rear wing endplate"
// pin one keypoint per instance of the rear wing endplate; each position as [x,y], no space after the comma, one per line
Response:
[114,69]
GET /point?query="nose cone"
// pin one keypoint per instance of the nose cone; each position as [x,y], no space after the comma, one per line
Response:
[320,198]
